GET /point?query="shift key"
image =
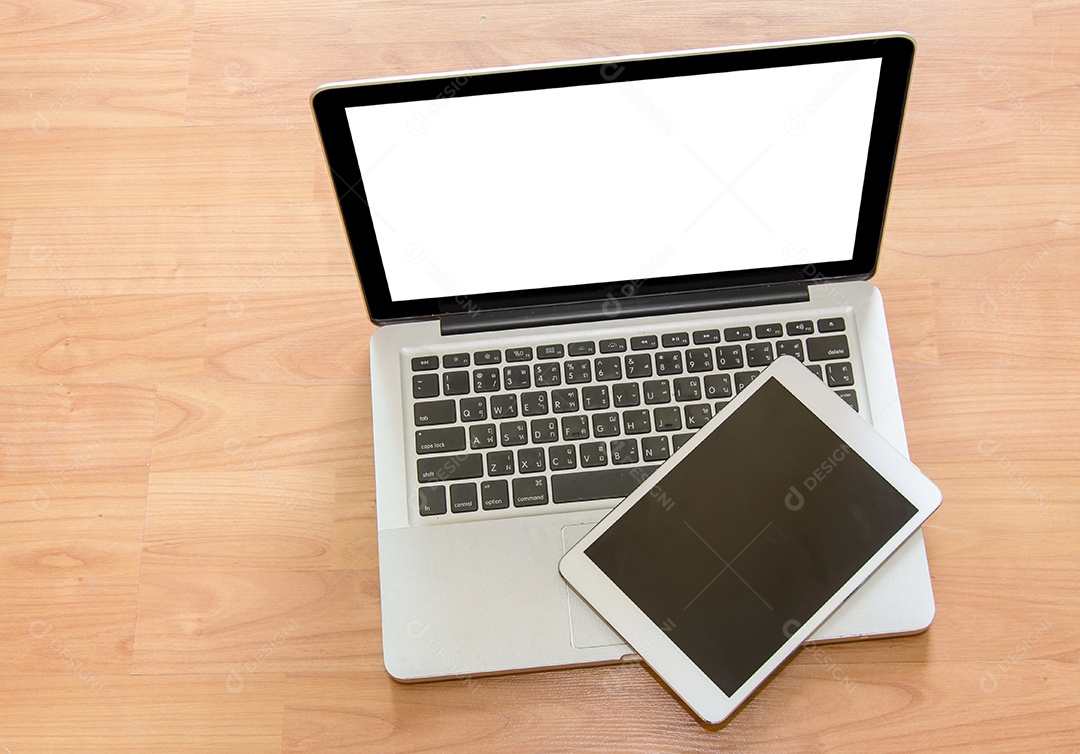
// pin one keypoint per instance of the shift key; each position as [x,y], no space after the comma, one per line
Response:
[444,468]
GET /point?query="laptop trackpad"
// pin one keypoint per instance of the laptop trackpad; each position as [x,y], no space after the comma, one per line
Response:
[587,629]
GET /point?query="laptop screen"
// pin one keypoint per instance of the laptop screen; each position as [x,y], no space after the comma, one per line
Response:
[670,176]
[476,187]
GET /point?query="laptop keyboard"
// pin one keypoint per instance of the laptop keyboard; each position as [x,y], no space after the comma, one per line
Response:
[586,420]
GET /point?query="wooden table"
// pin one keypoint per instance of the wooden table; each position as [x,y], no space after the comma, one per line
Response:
[187,532]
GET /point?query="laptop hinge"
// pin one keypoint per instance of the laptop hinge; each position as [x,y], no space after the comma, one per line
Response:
[621,308]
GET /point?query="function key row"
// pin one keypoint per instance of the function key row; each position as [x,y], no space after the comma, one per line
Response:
[620,345]
[630,366]
[598,397]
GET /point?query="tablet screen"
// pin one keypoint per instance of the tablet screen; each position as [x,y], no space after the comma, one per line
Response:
[729,555]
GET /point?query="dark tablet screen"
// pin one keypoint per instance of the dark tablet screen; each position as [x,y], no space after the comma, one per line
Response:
[750,535]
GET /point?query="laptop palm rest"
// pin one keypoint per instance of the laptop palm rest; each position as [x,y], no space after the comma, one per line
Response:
[437,626]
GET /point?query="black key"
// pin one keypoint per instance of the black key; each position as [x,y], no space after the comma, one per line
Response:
[654,448]
[516,378]
[582,348]
[699,360]
[530,460]
[839,374]
[434,412]
[444,440]
[578,371]
[774,330]
[759,354]
[668,419]
[624,452]
[500,463]
[789,348]
[643,343]
[608,368]
[562,457]
[657,391]
[613,345]
[425,363]
[804,327]
[636,422]
[605,425]
[549,352]
[816,369]
[446,468]
[831,324]
[534,404]
[827,348]
[592,454]
[504,406]
[729,357]
[701,337]
[718,386]
[513,433]
[432,501]
[719,407]
[687,389]
[598,485]
[575,428]
[530,491]
[455,360]
[594,397]
[547,375]
[455,383]
[485,380]
[626,394]
[743,380]
[737,333]
[463,498]
[473,409]
[849,396]
[677,441]
[544,430]
[495,495]
[638,365]
[425,386]
[519,354]
[565,401]
[669,362]
[698,415]
[481,358]
[482,436]
[675,340]
[705,336]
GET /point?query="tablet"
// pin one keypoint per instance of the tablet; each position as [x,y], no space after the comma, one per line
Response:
[739,546]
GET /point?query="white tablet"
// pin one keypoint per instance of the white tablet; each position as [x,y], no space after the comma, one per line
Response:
[739,546]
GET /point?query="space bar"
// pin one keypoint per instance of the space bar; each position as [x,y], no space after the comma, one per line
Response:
[598,485]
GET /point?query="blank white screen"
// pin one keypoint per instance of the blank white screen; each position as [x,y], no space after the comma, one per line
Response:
[621,181]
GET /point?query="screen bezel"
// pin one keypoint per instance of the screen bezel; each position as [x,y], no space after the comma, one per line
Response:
[648,639]
[329,104]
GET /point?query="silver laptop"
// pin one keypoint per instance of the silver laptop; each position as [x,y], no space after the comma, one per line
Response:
[574,266]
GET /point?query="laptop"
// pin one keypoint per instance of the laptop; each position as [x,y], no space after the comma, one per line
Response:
[573,267]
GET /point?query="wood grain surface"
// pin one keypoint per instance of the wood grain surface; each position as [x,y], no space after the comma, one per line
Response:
[187,530]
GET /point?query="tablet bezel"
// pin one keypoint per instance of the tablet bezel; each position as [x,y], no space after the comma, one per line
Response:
[649,640]
[330,103]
